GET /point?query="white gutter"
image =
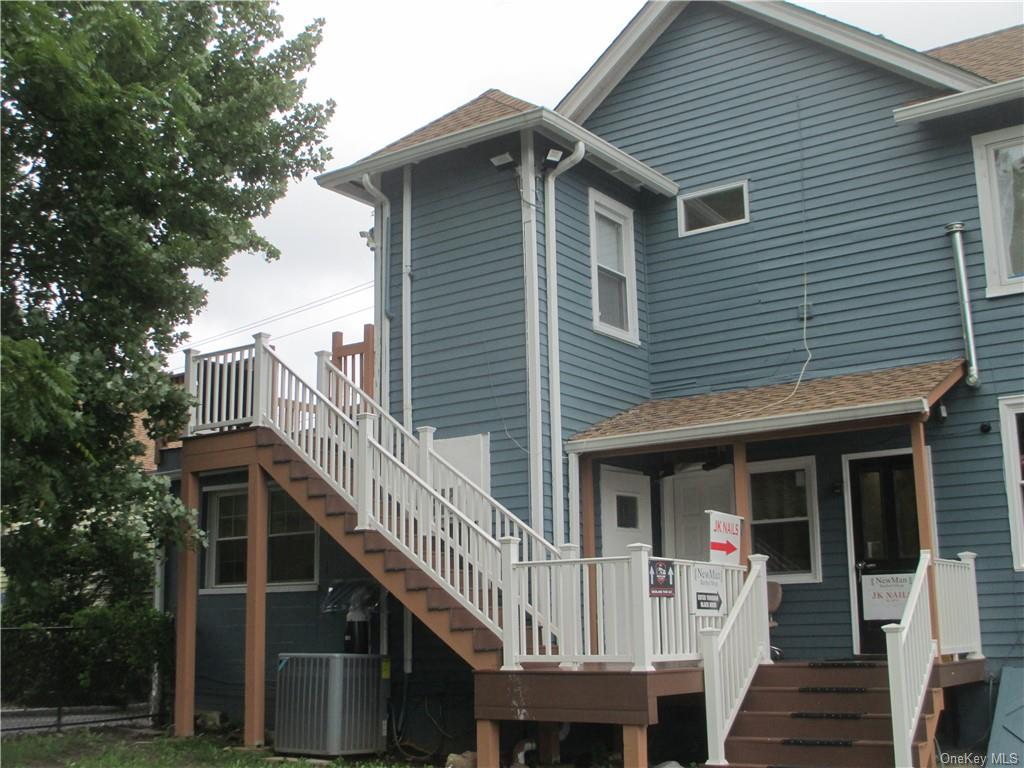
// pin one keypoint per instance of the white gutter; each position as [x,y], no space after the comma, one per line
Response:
[955,231]
[601,153]
[381,247]
[758,425]
[986,96]
[554,352]
[407,297]
[528,200]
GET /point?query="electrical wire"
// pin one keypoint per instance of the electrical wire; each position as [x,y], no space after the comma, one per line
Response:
[324,322]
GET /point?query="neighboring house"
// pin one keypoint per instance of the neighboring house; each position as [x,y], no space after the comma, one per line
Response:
[756,261]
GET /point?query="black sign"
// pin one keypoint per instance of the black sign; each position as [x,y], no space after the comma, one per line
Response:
[661,578]
[708,601]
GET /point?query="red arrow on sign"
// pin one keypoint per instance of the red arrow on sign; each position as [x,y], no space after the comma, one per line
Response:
[723,546]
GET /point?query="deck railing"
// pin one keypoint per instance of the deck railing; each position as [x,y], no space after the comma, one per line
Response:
[732,655]
[911,653]
[956,588]
[222,383]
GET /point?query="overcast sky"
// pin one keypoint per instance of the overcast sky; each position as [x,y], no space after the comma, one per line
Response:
[391,67]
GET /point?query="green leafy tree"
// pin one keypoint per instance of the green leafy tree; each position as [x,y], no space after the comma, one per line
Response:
[139,141]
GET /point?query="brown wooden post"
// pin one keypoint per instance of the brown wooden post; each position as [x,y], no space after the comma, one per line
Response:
[741,492]
[548,745]
[488,743]
[185,620]
[369,359]
[255,608]
[925,513]
[634,746]
[589,536]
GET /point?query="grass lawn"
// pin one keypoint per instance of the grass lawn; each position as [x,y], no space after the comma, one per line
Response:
[113,748]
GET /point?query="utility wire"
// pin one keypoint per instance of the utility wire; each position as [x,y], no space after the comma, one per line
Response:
[324,322]
[296,310]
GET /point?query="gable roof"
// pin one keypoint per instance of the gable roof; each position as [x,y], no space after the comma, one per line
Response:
[656,16]
[490,105]
[490,115]
[904,391]
[997,56]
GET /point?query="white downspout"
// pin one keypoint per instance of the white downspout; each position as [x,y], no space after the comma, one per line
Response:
[382,242]
[955,231]
[528,200]
[407,297]
[554,352]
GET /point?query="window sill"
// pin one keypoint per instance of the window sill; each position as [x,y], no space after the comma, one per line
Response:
[618,334]
[1013,287]
[795,578]
[713,227]
[271,588]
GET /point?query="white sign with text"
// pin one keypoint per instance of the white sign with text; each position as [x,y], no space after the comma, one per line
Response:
[707,590]
[726,530]
[884,595]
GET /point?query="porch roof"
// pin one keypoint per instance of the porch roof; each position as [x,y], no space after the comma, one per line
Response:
[908,390]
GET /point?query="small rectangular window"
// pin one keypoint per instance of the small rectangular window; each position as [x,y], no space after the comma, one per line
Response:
[627,511]
[613,268]
[999,173]
[714,208]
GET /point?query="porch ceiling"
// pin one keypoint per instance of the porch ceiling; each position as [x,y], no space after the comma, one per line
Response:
[908,391]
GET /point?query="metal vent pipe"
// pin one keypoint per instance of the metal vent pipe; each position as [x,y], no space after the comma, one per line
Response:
[955,230]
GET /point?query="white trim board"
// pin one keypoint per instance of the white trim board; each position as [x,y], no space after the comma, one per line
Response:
[655,17]
[957,103]
[1009,407]
[851,565]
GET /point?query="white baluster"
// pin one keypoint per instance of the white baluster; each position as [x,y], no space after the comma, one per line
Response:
[639,562]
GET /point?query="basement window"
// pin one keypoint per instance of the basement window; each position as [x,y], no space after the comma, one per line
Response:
[713,208]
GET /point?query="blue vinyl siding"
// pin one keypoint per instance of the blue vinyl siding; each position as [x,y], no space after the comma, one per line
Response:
[842,196]
[468,316]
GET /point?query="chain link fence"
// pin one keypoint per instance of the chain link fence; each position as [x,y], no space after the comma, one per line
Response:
[62,677]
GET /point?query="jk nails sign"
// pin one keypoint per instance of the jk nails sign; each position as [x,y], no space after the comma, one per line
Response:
[885,594]
[726,530]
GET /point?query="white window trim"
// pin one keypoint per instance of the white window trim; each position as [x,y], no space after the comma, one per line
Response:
[1009,407]
[681,210]
[623,215]
[209,588]
[997,277]
[809,466]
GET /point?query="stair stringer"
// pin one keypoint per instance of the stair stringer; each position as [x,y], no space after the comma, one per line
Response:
[476,644]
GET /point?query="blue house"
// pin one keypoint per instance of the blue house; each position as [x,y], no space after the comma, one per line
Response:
[756,261]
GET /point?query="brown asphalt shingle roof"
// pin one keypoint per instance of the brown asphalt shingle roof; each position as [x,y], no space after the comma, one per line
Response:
[997,56]
[844,391]
[489,106]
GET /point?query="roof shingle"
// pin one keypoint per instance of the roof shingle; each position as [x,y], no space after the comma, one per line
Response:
[997,56]
[844,391]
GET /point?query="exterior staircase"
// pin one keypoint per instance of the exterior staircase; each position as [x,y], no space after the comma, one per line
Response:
[818,714]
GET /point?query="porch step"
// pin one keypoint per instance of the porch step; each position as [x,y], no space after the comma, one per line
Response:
[822,674]
[811,699]
[809,752]
[813,725]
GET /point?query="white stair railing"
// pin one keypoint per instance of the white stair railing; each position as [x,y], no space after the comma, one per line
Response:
[956,587]
[732,655]
[418,454]
[911,654]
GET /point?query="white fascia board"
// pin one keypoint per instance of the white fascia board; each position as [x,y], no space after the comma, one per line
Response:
[986,96]
[627,168]
[759,425]
[864,45]
[620,57]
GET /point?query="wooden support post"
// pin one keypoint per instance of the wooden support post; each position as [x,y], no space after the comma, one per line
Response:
[634,746]
[185,620]
[548,745]
[925,516]
[589,515]
[256,608]
[488,743]
[741,492]
[369,360]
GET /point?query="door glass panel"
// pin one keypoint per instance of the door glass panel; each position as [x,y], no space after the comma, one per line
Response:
[627,511]
[906,512]
[872,519]
[786,545]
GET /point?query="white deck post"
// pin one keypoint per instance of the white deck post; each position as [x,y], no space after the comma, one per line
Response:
[639,562]
[973,616]
[898,693]
[364,470]
[569,615]
[260,380]
[713,695]
[509,602]
[323,357]
[323,431]
[192,387]
[759,563]
[426,438]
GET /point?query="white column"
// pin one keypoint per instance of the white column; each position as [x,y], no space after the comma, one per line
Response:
[639,562]
[897,693]
[759,567]
[426,458]
[261,382]
[509,603]
[570,615]
[364,470]
[192,387]
[713,695]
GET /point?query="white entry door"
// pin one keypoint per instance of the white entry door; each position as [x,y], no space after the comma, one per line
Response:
[685,496]
[625,510]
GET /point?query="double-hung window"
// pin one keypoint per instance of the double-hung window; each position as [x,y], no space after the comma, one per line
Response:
[999,172]
[1011,425]
[784,518]
[613,268]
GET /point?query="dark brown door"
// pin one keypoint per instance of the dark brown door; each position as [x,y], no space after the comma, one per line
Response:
[885,541]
